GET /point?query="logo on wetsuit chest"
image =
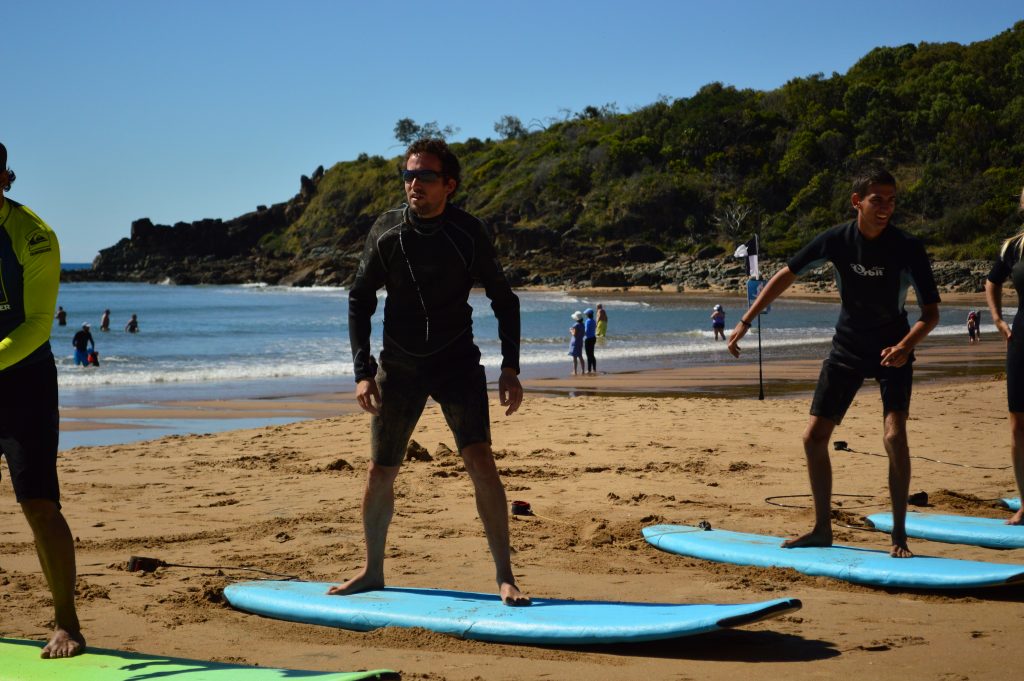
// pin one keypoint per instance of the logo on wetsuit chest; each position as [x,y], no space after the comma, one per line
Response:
[877,271]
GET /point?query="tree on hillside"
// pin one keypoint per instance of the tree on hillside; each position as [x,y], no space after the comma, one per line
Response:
[408,131]
[510,127]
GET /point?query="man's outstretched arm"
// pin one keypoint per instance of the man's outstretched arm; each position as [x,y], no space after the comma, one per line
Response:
[772,290]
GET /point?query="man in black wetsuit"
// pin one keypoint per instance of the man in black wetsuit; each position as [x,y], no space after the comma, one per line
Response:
[428,255]
[874,264]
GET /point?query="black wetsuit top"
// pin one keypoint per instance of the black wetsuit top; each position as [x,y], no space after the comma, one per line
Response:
[1010,266]
[873,277]
[428,268]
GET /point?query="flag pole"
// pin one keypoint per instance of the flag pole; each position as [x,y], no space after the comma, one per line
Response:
[760,370]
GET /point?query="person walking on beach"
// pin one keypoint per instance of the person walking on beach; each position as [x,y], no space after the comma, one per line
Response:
[105,321]
[602,321]
[427,255]
[133,324]
[83,343]
[576,332]
[874,263]
[1010,265]
[590,340]
[29,418]
[718,322]
[61,316]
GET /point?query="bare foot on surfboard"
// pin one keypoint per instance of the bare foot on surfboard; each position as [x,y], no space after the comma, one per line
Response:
[816,537]
[361,582]
[63,644]
[1017,518]
[511,595]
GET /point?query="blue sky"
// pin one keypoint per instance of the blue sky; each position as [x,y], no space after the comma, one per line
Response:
[183,110]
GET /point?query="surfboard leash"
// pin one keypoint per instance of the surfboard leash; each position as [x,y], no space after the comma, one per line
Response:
[145,564]
[842,446]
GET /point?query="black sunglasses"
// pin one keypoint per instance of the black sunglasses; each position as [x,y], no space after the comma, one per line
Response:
[421,175]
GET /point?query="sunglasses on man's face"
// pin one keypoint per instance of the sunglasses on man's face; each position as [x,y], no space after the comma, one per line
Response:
[421,175]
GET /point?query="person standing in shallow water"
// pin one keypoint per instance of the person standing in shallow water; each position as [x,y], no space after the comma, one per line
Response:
[874,264]
[428,255]
[602,321]
[1010,265]
[29,417]
[576,332]
[590,340]
[105,321]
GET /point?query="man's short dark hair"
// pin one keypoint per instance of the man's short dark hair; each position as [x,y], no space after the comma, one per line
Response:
[3,167]
[450,166]
[870,177]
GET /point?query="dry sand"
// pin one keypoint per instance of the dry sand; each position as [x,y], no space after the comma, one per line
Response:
[596,469]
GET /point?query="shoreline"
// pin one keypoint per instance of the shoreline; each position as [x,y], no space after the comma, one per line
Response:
[940,360]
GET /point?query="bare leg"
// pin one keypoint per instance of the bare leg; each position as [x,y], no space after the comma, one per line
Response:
[1017,444]
[492,506]
[378,508]
[899,479]
[56,550]
[819,469]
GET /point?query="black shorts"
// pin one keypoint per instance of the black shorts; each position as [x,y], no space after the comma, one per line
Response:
[30,429]
[839,382]
[456,381]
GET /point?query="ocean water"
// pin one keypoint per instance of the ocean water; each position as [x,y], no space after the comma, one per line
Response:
[211,342]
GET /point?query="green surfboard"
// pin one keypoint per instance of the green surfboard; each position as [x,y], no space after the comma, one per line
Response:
[19,661]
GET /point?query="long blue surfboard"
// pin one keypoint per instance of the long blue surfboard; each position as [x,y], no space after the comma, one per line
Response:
[861,566]
[484,617]
[1012,504]
[19,661]
[992,533]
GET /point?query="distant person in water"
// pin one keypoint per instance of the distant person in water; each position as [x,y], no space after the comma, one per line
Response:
[1010,265]
[29,417]
[83,343]
[602,321]
[589,340]
[874,264]
[428,255]
[576,332]
[972,326]
[61,316]
[105,321]
[718,322]
[133,325]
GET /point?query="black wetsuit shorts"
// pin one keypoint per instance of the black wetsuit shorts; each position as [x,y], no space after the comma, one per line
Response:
[454,378]
[29,429]
[839,382]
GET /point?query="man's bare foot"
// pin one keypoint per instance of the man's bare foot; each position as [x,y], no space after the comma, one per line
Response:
[511,595]
[1017,518]
[813,538]
[63,643]
[901,550]
[361,582]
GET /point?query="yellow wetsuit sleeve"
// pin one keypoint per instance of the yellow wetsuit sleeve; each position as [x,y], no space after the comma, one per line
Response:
[41,275]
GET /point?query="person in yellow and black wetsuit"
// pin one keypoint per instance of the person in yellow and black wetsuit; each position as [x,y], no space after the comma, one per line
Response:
[29,419]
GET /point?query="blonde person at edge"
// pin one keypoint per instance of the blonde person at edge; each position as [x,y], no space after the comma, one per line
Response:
[29,418]
[875,264]
[1010,265]
[428,255]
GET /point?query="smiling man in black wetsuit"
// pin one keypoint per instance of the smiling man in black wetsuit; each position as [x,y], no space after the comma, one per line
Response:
[874,264]
[428,255]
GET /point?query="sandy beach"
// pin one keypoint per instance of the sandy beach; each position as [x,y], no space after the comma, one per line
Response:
[627,450]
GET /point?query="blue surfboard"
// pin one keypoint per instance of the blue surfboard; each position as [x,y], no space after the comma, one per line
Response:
[861,566]
[992,533]
[1012,504]
[484,617]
